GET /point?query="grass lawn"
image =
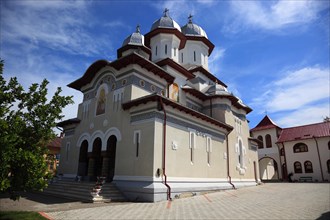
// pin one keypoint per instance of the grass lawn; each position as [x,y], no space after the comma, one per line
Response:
[13,215]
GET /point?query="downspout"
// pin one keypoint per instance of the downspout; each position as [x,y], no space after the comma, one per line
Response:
[318,152]
[279,153]
[164,151]
[228,173]
[286,164]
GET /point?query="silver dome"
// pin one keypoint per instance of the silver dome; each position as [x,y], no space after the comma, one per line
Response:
[193,29]
[135,39]
[165,22]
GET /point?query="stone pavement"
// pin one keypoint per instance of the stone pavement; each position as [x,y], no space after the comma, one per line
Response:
[267,201]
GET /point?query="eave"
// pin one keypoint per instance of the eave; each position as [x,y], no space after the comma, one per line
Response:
[176,66]
[181,108]
[174,31]
[68,122]
[132,46]
[208,75]
[234,100]
[206,41]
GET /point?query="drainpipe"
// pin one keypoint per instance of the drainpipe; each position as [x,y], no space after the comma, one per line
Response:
[228,173]
[318,152]
[164,151]
[286,164]
[279,153]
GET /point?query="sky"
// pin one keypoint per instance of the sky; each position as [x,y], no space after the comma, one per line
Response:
[274,55]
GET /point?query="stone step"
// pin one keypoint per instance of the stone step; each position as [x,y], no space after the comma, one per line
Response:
[81,191]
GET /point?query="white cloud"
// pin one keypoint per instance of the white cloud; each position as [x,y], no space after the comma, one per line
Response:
[215,58]
[272,15]
[307,115]
[57,25]
[300,95]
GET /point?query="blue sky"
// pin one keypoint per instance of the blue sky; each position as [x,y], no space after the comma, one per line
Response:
[274,55]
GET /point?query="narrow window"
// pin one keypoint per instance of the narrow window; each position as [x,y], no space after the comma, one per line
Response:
[208,150]
[282,152]
[192,145]
[136,141]
[297,167]
[174,51]
[268,141]
[165,48]
[261,145]
[181,57]
[156,50]
[67,151]
[328,166]
[194,56]
[308,167]
[240,154]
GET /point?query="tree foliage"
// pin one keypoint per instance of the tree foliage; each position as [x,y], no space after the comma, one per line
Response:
[27,120]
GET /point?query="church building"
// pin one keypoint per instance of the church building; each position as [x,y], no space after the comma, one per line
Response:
[156,122]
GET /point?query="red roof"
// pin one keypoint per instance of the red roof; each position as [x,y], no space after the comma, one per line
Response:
[305,132]
[266,123]
[55,142]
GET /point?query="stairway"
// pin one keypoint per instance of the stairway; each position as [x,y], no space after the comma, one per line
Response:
[81,191]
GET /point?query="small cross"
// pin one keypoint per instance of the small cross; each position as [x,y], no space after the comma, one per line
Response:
[166,12]
[138,28]
[190,18]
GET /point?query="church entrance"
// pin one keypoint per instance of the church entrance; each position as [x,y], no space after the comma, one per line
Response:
[109,159]
[95,160]
[83,159]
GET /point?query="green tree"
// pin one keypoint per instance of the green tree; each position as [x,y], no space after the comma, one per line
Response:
[27,120]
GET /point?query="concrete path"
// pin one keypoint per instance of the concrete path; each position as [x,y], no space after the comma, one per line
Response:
[267,201]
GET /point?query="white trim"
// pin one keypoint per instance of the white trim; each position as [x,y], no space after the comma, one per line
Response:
[113,131]
[84,136]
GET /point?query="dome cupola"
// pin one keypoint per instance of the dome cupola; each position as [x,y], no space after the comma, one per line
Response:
[135,39]
[192,29]
[134,43]
[165,22]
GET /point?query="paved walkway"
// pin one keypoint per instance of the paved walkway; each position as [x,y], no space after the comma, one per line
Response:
[267,201]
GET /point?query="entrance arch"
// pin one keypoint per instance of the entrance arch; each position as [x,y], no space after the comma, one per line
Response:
[95,160]
[111,154]
[83,159]
[268,169]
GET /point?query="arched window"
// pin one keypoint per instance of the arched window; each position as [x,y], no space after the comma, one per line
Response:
[261,145]
[174,92]
[268,141]
[300,147]
[328,166]
[156,50]
[297,167]
[194,56]
[240,154]
[101,99]
[165,48]
[308,167]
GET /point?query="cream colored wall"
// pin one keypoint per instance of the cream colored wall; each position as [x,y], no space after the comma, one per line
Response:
[272,152]
[311,155]
[250,155]
[179,163]
[324,155]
